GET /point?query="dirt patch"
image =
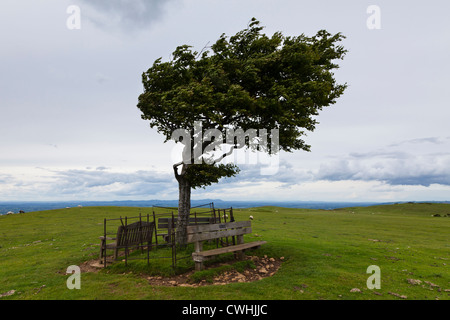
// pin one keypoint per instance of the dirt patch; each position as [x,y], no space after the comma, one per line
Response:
[91,266]
[264,267]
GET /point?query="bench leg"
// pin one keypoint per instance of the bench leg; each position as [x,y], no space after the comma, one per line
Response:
[240,254]
[198,265]
[198,247]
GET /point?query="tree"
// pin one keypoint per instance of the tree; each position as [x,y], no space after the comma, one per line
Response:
[248,81]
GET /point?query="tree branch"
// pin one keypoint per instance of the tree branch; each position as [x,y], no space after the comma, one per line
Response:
[206,46]
[175,170]
[226,154]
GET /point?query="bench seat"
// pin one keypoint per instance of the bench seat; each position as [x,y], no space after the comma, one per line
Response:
[238,247]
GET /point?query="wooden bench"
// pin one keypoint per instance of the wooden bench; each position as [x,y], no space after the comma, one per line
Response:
[198,233]
[167,223]
[130,235]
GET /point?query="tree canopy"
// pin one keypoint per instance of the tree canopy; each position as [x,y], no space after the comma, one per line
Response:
[248,80]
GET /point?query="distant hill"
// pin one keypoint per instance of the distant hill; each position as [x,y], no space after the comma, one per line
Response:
[29,206]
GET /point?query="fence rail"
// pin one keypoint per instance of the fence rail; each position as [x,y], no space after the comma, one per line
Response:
[169,234]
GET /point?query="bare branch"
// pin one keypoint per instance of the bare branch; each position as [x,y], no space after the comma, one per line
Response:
[206,46]
[226,154]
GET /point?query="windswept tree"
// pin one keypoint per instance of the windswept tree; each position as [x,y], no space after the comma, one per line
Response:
[248,81]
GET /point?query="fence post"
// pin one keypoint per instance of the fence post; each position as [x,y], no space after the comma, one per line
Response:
[225,221]
[104,243]
[155,227]
[149,243]
[173,242]
[232,220]
[141,242]
[126,242]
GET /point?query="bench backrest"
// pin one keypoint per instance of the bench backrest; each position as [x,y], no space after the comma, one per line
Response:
[163,223]
[134,233]
[217,230]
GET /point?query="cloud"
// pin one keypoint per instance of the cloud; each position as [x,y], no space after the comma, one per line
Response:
[283,172]
[393,169]
[87,184]
[101,78]
[380,154]
[126,15]
[5,178]
[387,166]
[100,180]
[432,140]
[406,169]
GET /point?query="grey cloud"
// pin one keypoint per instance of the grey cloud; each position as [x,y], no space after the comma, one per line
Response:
[432,140]
[5,178]
[412,170]
[380,154]
[391,168]
[142,183]
[286,175]
[12,181]
[124,14]
[419,161]
[101,79]
[423,180]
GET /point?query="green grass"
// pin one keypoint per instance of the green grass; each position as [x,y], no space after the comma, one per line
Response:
[326,254]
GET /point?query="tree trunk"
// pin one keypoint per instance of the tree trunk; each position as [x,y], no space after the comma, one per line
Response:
[184,208]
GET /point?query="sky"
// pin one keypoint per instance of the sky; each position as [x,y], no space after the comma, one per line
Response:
[70,77]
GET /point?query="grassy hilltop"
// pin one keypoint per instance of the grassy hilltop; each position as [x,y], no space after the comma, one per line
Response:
[326,255]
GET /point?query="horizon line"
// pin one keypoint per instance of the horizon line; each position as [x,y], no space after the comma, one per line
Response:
[221,200]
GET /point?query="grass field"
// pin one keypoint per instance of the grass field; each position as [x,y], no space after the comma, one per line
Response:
[326,255]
